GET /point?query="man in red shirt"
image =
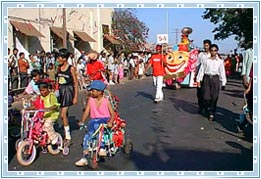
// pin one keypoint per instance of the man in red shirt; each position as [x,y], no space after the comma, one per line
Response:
[94,67]
[157,61]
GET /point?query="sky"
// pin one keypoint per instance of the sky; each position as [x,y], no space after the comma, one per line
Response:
[156,20]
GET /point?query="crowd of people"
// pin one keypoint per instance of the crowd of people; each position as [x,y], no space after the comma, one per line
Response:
[115,67]
[105,69]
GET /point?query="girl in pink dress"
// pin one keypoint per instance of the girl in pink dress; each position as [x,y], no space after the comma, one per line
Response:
[100,111]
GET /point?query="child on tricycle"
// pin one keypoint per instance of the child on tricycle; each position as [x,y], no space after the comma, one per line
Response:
[100,110]
[40,128]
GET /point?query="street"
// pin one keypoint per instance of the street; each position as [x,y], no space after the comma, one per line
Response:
[168,136]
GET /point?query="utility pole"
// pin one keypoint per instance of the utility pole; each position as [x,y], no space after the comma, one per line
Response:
[167,22]
[64,29]
[176,31]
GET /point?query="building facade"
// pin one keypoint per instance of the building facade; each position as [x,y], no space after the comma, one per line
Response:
[42,29]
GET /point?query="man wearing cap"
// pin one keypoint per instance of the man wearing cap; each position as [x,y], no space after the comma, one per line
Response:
[157,61]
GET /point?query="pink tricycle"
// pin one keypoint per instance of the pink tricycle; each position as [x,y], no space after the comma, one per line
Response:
[35,136]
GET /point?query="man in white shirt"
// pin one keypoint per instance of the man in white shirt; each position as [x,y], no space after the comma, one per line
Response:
[211,72]
[203,56]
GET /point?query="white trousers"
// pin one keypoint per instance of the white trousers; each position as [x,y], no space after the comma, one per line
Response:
[158,82]
[48,127]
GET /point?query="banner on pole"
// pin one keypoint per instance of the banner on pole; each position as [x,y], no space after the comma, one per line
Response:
[162,38]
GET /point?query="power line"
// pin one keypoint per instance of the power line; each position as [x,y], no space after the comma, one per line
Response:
[176,31]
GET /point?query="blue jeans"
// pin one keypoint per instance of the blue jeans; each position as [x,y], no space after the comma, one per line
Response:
[93,125]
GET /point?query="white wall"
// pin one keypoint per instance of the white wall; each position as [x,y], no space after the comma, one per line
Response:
[88,20]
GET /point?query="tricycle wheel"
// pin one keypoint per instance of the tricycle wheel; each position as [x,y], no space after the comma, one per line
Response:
[55,149]
[18,143]
[66,151]
[24,156]
[92,162]
[128,147]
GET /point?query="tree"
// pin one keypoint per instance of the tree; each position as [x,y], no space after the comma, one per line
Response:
[129,29]
[232,21]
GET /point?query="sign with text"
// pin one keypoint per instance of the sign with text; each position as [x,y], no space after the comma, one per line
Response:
[162,38]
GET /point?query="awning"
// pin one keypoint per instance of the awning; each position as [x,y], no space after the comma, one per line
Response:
[26,28]
[84,36]
[59,32]
[112,40]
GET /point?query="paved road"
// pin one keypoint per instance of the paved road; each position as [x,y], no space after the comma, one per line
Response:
[170,135]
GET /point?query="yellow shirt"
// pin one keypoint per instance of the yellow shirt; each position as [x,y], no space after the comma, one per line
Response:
[49,101]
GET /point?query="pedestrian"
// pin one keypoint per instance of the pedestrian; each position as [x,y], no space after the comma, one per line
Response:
[100,111]
[94,68]
[111,67]
[141,68]
[49,60]
[13,67]
[249,93]
[203,56]
[131,66]
[51,71]
[121,73]
[80,69]
[247,63]
[23,66]
[157,61]
[211,72]
[68,90]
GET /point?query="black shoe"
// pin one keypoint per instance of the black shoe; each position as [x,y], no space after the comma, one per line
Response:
[211,117]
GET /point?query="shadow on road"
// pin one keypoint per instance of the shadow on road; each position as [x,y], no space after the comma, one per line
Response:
[144,94]
[165,159]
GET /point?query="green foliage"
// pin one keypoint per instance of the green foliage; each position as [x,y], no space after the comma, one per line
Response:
[232,21]
[129,29]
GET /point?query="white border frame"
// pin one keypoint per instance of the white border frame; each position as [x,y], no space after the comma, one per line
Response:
[219,4]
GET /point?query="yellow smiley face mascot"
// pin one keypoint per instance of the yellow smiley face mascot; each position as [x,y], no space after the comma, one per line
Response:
[181,62]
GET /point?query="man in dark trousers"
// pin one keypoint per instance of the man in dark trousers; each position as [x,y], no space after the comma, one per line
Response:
[201,58]
[211,72]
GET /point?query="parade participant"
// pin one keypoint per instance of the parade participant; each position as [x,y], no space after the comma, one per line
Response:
[211,71]
[100,111]
[94,68]
[157,62]
[48,102]
[68,90]
[203,56]
[51,106]
[32,87]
